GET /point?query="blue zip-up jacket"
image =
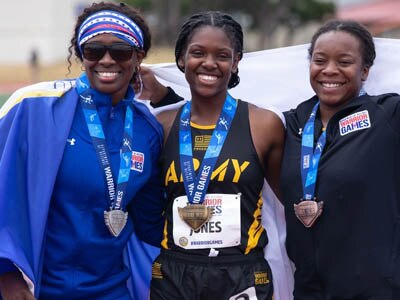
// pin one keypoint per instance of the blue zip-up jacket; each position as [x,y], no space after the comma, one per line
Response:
[34,127]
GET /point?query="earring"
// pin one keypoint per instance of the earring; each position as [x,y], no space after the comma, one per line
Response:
[137,82]
[140,86]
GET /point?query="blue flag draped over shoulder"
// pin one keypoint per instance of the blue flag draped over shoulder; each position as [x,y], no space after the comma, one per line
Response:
[34,125]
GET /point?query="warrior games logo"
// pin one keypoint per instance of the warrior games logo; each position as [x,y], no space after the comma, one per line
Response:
[354,122]
[137,161]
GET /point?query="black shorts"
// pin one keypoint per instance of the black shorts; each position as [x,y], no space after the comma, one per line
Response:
[178,276]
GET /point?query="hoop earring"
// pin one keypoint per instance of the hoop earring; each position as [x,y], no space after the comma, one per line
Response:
[140,85]
[137,82]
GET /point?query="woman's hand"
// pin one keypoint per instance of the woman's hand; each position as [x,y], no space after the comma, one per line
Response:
[14,287]
[148,87]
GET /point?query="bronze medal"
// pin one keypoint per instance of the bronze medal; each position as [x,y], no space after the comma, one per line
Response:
[195,215]
[308,211]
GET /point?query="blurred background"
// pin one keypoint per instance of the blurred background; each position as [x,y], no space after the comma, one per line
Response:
[35,35]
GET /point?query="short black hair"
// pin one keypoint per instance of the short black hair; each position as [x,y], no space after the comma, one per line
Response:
[355,29]
[216,19]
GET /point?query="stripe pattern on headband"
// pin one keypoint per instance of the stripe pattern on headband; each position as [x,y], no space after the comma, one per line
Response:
[108,21]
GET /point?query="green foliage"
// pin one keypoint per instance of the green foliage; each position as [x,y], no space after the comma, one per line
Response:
[301,11]
[263,16]
[308,10]
[185,7]
[142,5]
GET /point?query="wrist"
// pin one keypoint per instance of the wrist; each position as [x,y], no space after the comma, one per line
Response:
[159,93]
[169,98]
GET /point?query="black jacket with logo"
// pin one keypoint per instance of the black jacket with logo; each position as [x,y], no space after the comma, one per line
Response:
[353,249]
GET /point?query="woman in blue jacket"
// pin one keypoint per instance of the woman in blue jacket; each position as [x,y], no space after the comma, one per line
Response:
[79,169]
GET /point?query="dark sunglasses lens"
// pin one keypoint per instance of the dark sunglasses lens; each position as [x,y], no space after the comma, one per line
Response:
[93,52]
[120,52]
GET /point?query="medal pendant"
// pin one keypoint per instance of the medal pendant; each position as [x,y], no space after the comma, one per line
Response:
[195,215]
[115,220]
[308,211]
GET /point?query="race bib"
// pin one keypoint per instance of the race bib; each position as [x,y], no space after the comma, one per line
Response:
[220,231]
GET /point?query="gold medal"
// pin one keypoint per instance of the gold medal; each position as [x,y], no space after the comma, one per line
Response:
[307,211]
[195,215]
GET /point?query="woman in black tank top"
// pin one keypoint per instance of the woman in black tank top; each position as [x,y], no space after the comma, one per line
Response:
[218,150]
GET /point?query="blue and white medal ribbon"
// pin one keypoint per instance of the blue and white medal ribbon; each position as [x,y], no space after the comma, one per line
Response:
[308,210]
[196,214]
[116,218]
[310,157]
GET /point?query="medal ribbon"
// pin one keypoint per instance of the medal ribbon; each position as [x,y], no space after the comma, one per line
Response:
[93,123]
[196,186]
[309,157]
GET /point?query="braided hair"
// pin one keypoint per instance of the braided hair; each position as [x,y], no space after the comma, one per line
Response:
[216,19]
[355,29]
[121,8]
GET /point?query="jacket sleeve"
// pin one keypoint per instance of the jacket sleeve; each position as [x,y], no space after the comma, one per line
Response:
[170,98]
[391,106]
[148,204]
[6,266]
[148,212]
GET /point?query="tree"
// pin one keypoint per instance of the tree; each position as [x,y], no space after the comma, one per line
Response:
[143,5]
[163,17]
[306,11]
[265,15]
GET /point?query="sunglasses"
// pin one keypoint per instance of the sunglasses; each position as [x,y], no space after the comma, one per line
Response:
[119,51]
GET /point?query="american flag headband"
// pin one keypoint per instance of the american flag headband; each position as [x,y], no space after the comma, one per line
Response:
[110,22]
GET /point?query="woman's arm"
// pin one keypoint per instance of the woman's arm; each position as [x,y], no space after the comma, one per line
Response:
[268,135]
[151,89]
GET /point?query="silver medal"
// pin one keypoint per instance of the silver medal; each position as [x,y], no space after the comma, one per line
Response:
[115,220]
